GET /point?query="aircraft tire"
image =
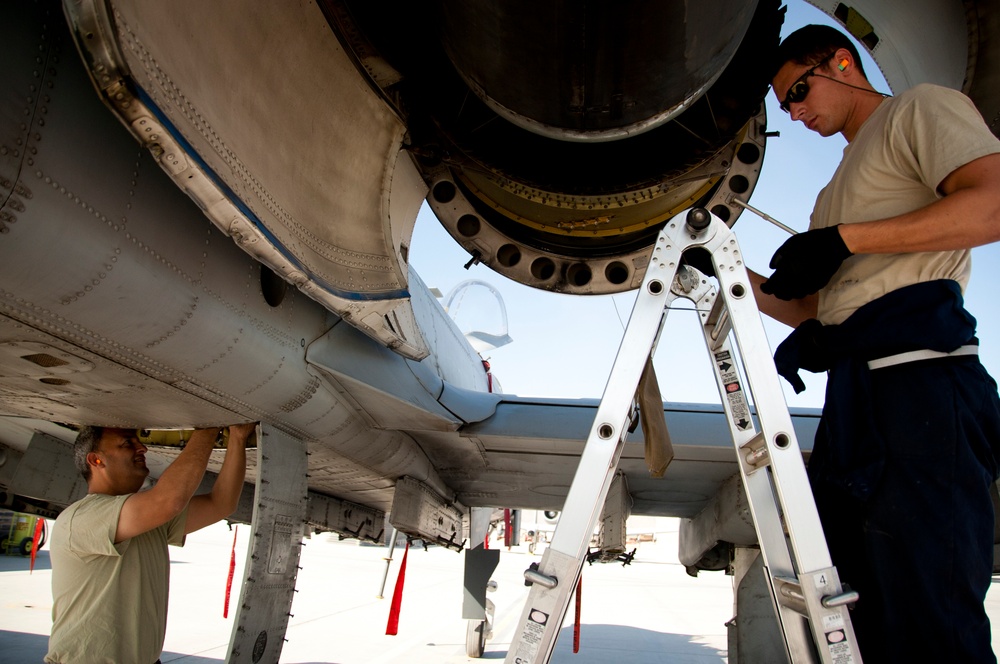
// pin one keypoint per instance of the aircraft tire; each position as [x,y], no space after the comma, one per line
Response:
[475,638]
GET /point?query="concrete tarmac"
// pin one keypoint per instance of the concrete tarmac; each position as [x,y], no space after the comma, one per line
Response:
[648,612]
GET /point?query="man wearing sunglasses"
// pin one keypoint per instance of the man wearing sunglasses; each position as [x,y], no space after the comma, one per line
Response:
[909,442]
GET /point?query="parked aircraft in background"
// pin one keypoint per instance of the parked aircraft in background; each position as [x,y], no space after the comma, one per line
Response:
[207,211]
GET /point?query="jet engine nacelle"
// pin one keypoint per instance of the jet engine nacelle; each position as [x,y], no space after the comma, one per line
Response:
[556,139]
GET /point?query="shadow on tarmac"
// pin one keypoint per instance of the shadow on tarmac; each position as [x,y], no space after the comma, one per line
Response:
[606,643]
[176,658]
[598,644]
[21,648]
[17,563]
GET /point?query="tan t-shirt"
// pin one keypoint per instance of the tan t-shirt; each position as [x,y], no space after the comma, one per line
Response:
[109,600]
[894,165]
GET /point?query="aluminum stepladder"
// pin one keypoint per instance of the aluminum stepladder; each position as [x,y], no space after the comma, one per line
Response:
[811,605]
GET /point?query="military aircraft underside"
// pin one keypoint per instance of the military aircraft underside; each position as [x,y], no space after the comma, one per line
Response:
[207,211]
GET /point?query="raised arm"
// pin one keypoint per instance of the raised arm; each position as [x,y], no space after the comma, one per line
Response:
[147,510]
[208,508]
[967,216]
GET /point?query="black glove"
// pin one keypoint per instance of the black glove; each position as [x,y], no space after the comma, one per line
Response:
[805,263]
[803,349]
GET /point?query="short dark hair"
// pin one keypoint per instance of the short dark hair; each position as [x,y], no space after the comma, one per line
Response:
[810,44]
[86,442]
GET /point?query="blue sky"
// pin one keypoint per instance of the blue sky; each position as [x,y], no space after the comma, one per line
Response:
[564,346]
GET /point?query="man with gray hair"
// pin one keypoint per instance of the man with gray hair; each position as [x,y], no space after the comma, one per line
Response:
[110,565]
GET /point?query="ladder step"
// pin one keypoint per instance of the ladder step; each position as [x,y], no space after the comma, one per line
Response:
[754,443]
[758,457]
[755,451]
[843,599]
[721,324]
[790,595]
[532,576]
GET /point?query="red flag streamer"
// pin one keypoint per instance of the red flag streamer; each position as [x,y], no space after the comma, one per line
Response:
[506,528]
[232,569]
[36,542]
[576,624]
[397,596]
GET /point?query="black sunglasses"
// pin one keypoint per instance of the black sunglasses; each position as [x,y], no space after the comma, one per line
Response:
[799,90]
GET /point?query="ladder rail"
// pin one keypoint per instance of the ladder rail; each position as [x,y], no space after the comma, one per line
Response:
[612,419]
[779,492]
[785,455]
[556,575]
[776,557]
[808,599]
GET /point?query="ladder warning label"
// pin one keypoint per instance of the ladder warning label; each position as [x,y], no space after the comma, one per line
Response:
[734,393]
[531,637]
[840,649]
[833,621]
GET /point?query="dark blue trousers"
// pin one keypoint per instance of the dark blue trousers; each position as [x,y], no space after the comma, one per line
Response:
[919,550]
